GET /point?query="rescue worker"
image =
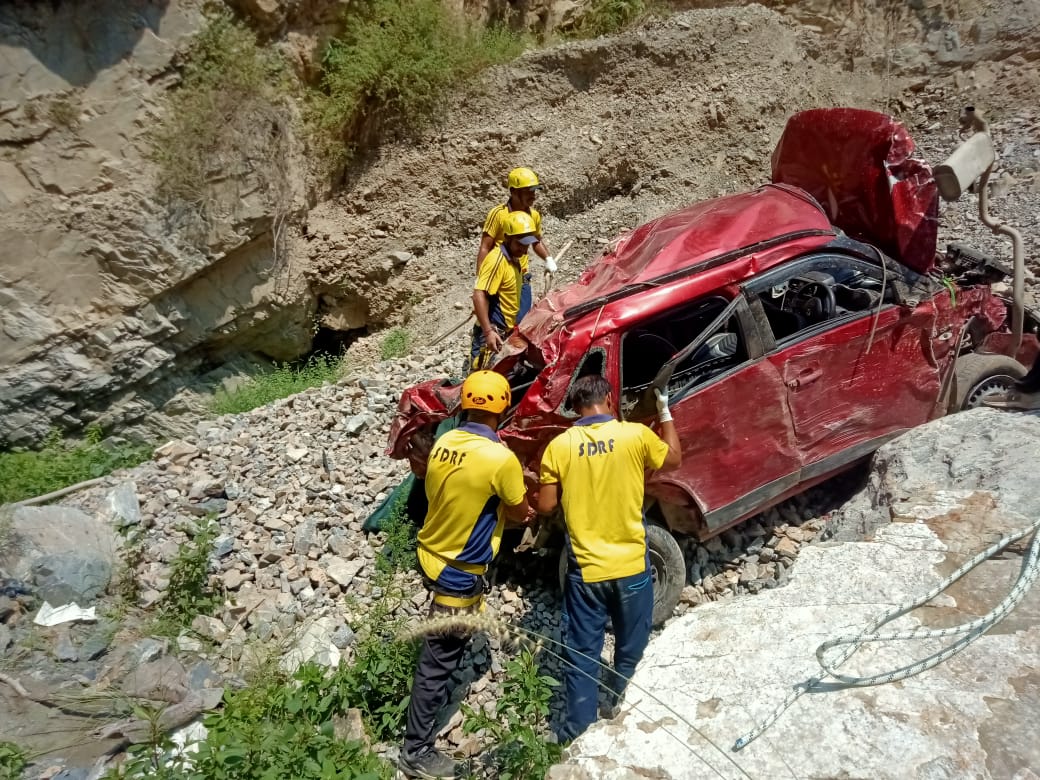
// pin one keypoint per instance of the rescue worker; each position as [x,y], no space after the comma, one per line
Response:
[523,189]
[474,485]
[496,294]
[595,470]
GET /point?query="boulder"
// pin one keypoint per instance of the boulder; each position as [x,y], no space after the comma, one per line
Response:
[938,495]
[69,554]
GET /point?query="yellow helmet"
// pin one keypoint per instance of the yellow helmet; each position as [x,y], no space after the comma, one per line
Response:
[520,223]
[521,178]
[486,390]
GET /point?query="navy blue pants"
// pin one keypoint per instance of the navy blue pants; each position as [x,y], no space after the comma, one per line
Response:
[629,603]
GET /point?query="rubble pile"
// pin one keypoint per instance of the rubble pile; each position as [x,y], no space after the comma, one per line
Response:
[289,486]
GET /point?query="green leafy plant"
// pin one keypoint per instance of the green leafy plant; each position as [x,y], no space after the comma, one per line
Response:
[518,736]
[395,344]
[398,551]
[280,727]
[189,592]
[606,17]
[60,463]
[284,380]
[12,761]
[392,67]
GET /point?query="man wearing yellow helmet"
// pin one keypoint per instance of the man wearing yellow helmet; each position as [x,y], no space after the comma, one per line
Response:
[475,485]
[496,294]
[523,188]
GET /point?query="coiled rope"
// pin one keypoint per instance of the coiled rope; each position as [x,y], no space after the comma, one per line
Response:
[968,632]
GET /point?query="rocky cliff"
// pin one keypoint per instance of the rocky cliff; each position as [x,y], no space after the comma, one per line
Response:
[116,300]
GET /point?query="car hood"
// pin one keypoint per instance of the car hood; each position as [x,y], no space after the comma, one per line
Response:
[860,166]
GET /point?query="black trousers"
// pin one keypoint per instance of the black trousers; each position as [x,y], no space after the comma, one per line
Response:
[1030,383]
[438,660]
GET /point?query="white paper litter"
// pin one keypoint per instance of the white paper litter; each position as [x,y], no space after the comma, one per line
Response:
[67,613]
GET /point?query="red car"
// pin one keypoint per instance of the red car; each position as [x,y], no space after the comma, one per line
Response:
[798,327]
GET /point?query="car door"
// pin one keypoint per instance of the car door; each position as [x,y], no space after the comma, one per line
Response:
[854,377]
[728,404]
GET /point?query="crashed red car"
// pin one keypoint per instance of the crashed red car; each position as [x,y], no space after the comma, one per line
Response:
[798,327]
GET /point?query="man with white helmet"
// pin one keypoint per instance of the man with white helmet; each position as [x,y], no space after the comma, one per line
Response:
[523,188]
[475,485]
[497,291]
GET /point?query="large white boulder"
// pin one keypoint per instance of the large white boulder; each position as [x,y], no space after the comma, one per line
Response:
[939,494]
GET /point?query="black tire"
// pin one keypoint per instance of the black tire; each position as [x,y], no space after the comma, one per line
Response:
[667,569]
[979,375]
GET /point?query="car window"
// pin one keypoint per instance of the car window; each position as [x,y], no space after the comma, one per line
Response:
[645,349]
[594,362]
[809,295]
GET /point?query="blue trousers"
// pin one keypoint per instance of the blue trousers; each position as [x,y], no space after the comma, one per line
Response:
[629,603]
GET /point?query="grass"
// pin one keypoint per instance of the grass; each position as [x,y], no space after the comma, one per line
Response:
[390,70]
[189,592]
[280,382]
[395,344]
[59,463]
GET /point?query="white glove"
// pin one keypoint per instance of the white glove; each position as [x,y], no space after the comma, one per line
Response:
[550,264]
[664,414]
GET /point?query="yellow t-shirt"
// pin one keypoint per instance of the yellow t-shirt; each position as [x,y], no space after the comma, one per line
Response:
[599,464]
[502,280]
[469,474]
[495,226]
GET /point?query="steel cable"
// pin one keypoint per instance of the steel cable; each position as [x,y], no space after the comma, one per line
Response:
[968,632]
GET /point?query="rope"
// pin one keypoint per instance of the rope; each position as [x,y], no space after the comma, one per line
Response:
[967,633]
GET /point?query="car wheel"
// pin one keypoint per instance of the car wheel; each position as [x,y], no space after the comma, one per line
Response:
[667,569]
[980,375]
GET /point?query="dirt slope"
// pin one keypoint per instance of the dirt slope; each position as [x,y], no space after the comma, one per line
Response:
[623,129]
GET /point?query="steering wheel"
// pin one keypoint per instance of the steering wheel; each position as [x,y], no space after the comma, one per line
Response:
[816,301]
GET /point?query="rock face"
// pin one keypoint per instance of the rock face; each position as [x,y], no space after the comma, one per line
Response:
[941,493]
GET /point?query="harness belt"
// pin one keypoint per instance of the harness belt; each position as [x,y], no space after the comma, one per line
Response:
[476,569]
[458,602]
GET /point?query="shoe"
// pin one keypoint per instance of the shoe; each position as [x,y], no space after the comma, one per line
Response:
[609,711]
[431,764]
[1013,399]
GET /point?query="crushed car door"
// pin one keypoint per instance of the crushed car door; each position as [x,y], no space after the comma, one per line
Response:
[858,367]
[728,404]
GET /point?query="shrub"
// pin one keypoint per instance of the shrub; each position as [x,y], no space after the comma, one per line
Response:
[395,344]
[518,737]
[606,17]
[284,380]
[230,115]
[398,551]
[393,66]
[59,463]
[12,761]
[280,727]
[189,593]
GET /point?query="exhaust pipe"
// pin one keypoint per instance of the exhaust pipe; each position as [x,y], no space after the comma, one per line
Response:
[973,160]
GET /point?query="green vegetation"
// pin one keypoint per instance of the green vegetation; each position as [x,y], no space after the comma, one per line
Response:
[61,463]
[12,761]
[395,344]
[282,381]
[230,110]
[280,727]
[606,17]
[516,736]
[392,67]
[189,593]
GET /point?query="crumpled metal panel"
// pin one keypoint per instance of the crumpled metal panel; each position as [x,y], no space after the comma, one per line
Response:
[676,241]
[860,166]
